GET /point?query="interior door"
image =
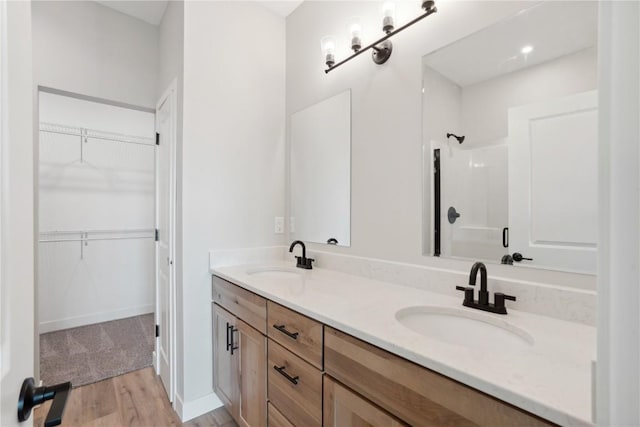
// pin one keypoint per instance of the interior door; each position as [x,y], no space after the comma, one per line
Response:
[17,332]
[553,152]
[165,190]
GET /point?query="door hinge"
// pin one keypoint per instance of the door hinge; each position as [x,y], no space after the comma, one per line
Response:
[157,235]
[157,331]
[157,138]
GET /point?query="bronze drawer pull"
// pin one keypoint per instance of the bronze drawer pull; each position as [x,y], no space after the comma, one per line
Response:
[232,345]
[284,374]
[283,329]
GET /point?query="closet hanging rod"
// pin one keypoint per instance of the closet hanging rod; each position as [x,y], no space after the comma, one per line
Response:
[141,230]
[148,144]
[96,134]
[90,239]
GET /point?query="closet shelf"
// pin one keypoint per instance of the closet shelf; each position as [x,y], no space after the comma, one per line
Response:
[85,235]
[85,134]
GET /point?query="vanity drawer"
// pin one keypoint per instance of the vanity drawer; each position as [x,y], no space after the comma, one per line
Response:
[276,419]
[413,393]
[295,388]
[296,332]
[243,304]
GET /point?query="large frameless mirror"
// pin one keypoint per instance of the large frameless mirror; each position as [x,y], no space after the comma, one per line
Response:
[320,176]
[510,141]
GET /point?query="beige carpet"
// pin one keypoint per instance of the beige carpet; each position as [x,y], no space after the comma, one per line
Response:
[92,353]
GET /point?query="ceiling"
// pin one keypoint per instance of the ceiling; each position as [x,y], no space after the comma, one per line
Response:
[151,11]
[553,29]
[282,8]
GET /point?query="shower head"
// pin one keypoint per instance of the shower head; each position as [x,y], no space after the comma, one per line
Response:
[459,138]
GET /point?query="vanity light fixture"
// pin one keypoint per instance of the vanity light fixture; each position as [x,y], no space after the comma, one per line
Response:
[381,48]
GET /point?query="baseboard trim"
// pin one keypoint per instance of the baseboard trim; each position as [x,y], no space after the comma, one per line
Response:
[89,319]
[193,409]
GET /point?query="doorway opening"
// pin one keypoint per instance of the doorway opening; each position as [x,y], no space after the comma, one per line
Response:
[96,251]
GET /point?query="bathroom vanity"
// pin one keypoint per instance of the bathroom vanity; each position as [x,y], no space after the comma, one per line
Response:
[318,347]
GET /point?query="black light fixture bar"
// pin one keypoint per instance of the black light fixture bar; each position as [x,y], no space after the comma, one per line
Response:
[382,39]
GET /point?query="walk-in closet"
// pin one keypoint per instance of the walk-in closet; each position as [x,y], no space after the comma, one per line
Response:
[96,242]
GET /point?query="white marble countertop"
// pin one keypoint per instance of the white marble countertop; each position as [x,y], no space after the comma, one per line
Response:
[551,378]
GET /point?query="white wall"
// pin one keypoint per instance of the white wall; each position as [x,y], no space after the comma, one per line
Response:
[618,368]
[111,187]
[89,49]
[440,115]
[485,104]
[233,155]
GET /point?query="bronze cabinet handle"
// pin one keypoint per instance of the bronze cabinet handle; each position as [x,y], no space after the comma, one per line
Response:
[283,329]
[281,370]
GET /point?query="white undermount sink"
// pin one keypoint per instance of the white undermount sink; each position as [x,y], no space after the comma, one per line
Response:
[466,328]
[276,272]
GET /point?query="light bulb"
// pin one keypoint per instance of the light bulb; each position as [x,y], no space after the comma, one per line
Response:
[526,50]
[328,44]
[388,13]
[356,31]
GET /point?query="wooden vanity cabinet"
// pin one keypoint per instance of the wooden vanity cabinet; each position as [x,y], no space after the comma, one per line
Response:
[309,374]
[276,419]
[412,393]
[343,407]
[240,354]
[297,333]
[294,366]
[225,381]
[295,387]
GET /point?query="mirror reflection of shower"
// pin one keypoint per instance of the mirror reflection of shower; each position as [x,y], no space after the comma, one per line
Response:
[459,138]
[527,113]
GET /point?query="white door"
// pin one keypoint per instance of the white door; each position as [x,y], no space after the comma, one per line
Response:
[165,196]
[553,157]
[17,333]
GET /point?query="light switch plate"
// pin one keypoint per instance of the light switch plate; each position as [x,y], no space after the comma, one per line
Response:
[279,225]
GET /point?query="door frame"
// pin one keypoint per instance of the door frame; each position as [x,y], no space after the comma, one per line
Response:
[17,337]
[169,95]
[39,89]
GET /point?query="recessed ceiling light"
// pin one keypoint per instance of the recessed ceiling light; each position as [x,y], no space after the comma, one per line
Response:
[527,49]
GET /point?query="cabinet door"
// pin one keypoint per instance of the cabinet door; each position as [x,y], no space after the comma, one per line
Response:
[252,365]
[276,419]
[342,408]
[225,369]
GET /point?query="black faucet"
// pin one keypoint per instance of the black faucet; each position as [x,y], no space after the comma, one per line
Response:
[303,261]
[483,294]
[507,259]
[482,303]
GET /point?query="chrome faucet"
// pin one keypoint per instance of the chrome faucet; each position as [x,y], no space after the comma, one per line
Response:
[482,303]
[302,261]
